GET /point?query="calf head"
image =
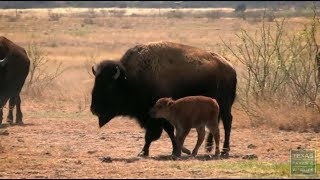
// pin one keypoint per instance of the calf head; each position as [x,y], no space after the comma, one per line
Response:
[161,109]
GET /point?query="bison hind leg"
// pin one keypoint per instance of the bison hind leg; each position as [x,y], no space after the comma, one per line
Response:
[227,123]
[19,112]
[3,101]
[11,107]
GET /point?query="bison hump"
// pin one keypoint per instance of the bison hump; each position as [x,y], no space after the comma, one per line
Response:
[160,58]
[162,64]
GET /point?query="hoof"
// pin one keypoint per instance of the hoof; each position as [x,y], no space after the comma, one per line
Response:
[143,154]
[216,156]
[177,154]
[19,123]
[194,154]
[224,154]
[186,151]
[209,148]
[174,157]
[10,121]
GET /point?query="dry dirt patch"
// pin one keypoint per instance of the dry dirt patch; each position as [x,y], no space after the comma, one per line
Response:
[70,145]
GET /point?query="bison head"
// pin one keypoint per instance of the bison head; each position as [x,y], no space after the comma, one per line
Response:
[3,54]
[109,92]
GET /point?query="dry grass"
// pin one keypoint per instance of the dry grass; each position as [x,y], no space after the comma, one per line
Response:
[286,117]
[61,138]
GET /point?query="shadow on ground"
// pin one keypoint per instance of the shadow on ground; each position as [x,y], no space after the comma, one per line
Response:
[2,126]
[205,157]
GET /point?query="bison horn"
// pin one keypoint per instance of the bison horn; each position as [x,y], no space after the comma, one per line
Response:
[3,61]
[94,69]
[116,76]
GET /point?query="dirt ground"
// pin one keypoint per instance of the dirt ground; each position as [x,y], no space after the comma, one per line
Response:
[69,144]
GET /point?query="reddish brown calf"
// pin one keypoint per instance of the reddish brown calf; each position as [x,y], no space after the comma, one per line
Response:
[190,112]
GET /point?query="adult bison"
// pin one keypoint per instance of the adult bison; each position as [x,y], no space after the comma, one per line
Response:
[148,72]
[14,68]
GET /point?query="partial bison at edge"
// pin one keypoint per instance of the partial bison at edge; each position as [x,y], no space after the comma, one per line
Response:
[14,69]
[148,72]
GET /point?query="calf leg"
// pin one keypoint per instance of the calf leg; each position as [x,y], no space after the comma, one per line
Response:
[11,107]
[181,136]
[209,144]
[216,134]
[201,134]
[1,115]
[167,126]
[19,112]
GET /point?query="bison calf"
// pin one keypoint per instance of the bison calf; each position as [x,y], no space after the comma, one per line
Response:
[190,112]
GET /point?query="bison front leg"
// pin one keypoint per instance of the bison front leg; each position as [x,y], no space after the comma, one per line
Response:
[153,133]
[3,101]
[1,115]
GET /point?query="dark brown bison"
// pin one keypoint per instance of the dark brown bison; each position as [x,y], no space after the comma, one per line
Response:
[149,72]
[14,68]
[190,112]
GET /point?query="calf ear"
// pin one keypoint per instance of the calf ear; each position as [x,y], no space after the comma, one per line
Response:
[94,70]
[170,103]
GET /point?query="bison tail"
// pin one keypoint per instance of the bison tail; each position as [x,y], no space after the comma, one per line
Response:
[234,89]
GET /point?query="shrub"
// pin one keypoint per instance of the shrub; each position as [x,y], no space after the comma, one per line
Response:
[279,68]
[175,14]
[39,76]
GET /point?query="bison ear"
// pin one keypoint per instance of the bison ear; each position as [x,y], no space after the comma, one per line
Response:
[94,70]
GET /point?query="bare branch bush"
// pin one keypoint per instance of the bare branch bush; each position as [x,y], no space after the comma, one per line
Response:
[39,75]
[280,67]
[84,103]
[54,16]
[91,59]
